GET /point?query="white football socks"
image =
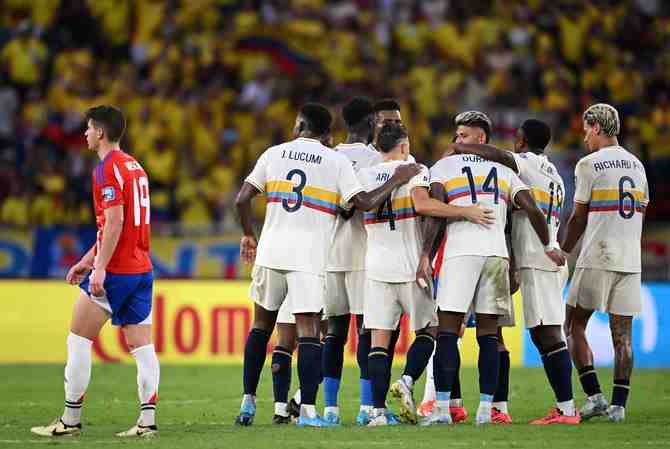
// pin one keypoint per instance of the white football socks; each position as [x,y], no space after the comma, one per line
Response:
[148,376]
[429,389]
[77,377]
[567,407]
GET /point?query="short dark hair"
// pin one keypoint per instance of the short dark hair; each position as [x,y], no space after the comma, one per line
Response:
[537,133]
[317,117]
[108,118]
[356,110]
[390,136]
[386,104]
[475,119]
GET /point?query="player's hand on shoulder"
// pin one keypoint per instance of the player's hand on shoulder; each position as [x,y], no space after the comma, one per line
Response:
[479,215]
[97,282]
[77,273]
[248,246]
[405,172]
[556,255]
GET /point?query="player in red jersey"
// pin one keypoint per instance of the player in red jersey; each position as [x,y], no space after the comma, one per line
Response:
[121,279]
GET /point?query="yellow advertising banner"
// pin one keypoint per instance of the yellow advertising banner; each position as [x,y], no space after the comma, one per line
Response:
[194,322]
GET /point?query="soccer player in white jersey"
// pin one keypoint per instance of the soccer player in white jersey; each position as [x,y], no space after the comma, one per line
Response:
[541,279]
[387,112]
[304,182]
[474,275]
[394,247]
[345,270]
[611,196]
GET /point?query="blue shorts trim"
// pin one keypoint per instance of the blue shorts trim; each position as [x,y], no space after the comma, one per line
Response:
[129,296]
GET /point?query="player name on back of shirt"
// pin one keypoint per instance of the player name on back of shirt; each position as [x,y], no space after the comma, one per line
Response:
[615,163]
[302,156]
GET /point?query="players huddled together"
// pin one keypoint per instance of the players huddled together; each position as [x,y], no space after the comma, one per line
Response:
[362,229]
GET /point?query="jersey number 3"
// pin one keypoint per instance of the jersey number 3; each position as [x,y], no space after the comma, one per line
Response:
[297,190]
[141,200]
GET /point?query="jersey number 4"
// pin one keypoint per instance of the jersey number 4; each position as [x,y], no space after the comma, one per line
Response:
[389,215]
[141,200]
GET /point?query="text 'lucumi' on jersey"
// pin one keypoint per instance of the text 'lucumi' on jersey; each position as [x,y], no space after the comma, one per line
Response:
[613,183]
[347,250]
[467,180]
[393,229]
[304,182]
[547,188]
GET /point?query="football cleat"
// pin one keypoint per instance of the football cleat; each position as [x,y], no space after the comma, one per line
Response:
[555,416]
[458,414]
[384,419]
[426,408]
[594,407]
[139,431]
[317,421]
[293,409]
[279,419]
[401,391]
[332,418]
[616,413]
[363,418]
[498,417]
[247,413]
[437,417]
[57,428]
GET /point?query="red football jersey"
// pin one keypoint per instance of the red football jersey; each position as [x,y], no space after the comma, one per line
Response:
[120,180]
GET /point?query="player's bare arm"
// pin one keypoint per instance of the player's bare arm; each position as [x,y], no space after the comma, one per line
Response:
[431,207]
[110,237]
[485,151]
[243,205]
[78,271]
[537,220]
[424,272]
[370,200]
[576,226]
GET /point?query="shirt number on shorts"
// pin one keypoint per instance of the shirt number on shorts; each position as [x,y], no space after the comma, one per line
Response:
[624,196]
[390,215]
[296,189]
[141,200]
[490,184]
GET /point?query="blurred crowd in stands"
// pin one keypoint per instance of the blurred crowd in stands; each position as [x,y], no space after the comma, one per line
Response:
[207,85]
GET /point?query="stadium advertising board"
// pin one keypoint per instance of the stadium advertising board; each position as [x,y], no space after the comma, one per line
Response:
[194,322]
[208,321]
[48,252]
[650,333]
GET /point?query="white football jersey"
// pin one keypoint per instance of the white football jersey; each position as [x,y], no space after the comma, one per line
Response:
[394,230]
[613,183]
[469,179]
[304,182]
[347,250]
[546,185]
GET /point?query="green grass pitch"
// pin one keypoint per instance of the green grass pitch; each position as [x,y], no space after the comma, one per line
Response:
[198,404]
